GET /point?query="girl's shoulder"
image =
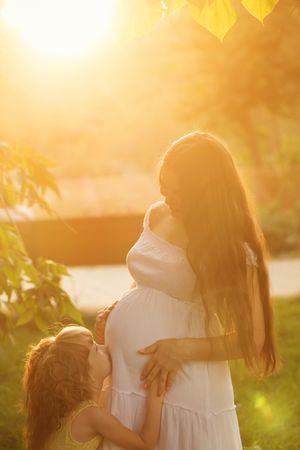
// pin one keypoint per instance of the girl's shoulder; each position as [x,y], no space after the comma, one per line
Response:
[85,405]
[82,413]
[73,430]
[82,419]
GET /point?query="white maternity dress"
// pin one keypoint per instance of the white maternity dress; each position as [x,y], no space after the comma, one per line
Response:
[199,410]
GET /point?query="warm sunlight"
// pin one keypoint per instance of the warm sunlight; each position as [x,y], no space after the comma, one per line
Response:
[62,28]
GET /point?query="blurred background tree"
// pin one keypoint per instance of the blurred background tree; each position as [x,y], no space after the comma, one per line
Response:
[107,117]
[248,91]
[251,84]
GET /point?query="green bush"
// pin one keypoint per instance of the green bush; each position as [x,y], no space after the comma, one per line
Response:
[281,228]
[29,290]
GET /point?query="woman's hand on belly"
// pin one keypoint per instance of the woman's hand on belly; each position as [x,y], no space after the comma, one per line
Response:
[164,363]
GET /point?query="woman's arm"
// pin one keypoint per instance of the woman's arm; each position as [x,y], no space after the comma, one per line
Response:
[168,355]
[111,428]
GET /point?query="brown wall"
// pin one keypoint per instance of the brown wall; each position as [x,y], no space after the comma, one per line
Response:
[83,241]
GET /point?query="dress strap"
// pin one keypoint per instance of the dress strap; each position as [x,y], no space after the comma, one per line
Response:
[146,222]
[251,258]
[70,441]
[83,405]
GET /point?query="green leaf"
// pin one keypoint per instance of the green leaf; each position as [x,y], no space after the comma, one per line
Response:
[30,295]
[19,308]
[43,204]
[41,323]
[25,179]
[31,272]
[217,16]
[9,193]
[68,308]
[13,273]
[5,286]
[51,184]
[6,328]
[25,317]
[259,8]
[43,178]
[61,270]
[32,195]
[15,243]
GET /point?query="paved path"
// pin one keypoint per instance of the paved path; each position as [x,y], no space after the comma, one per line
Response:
[93,287]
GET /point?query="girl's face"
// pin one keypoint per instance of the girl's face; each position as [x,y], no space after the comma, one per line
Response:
[170,189]
[99,361]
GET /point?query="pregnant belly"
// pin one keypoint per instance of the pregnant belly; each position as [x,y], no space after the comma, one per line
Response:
[145,315]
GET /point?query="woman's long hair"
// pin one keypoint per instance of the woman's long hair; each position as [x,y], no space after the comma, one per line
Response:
[56,380]
[219,224]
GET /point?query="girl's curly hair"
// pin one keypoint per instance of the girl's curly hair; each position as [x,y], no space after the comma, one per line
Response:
[55,381]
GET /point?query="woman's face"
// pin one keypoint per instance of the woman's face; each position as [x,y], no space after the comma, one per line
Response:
[170,189]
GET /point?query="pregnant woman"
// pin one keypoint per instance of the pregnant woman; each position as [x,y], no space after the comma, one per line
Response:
[200,298]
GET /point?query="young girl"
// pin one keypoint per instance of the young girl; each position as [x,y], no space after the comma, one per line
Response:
[63,381]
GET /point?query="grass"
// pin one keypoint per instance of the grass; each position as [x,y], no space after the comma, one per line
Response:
[268,411]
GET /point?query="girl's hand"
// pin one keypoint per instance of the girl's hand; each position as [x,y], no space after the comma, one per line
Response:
[167,358]
[101,319]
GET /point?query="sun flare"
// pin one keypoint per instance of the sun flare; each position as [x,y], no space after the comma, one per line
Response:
[61,28]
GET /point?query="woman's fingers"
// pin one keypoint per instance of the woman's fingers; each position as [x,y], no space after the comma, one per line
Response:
[150,349]
[162,382]
[147,369]
[171,379]
[162,364]
[153,374]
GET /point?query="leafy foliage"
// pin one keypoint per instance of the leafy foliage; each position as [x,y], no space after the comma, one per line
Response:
[259,9]
[29,290]
[248,88]
[217,16]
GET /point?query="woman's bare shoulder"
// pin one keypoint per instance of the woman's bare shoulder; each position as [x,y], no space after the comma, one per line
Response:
[159,211]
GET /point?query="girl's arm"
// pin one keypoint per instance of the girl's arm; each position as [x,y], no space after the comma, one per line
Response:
[168,355]
[112,429]
[105,395]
